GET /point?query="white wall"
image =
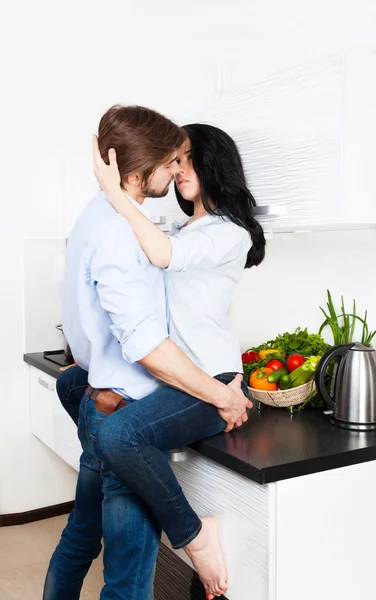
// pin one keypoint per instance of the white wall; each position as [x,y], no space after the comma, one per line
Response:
[62,65]
[286,291]
[43,270]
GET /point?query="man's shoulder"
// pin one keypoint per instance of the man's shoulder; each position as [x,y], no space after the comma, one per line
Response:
[115,229]
[100,222]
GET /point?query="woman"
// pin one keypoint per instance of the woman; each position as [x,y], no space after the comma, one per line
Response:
[203,258]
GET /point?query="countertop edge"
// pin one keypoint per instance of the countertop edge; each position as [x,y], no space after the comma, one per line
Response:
[230,462]
[317,465]
[34,360]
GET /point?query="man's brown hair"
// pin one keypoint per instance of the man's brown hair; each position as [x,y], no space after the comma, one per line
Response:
[143,139]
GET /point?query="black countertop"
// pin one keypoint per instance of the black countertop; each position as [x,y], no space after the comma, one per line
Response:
[47,366]
[274,445]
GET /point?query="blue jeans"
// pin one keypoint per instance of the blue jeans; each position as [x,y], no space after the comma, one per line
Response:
[70,387]
[132,442]
[103,506]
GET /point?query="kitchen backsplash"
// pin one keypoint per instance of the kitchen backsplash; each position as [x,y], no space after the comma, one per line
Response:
[43,272]
[286,290]
[283,293]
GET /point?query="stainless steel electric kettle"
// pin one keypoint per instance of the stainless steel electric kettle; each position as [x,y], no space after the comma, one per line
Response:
[353,388]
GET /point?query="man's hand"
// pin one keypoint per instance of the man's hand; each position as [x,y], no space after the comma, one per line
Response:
[234,413]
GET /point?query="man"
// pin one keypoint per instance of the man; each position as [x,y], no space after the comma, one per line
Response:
[115,323]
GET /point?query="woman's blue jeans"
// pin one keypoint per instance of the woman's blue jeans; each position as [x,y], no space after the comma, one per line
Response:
[132,443]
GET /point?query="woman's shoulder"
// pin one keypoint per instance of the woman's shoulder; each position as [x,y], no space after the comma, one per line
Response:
[217,227]
[223,223]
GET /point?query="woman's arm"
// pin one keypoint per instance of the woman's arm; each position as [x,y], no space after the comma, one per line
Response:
[152,240]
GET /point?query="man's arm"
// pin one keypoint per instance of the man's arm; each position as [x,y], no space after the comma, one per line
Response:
[169,364]
[172,366]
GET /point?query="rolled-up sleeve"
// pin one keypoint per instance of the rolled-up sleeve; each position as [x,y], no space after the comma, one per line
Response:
[124,292]
[218,244]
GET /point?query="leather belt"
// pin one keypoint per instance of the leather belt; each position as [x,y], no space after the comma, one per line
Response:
[106,401]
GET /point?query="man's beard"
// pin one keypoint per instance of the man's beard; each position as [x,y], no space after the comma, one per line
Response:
[149,192]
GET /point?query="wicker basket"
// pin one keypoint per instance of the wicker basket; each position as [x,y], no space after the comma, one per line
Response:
[284,398]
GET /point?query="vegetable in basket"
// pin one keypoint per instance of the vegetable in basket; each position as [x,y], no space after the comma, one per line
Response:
[276,375]
[275,364]
[304,373]
[259,380]
[264,353]
[295,361]
[249,357]
[298,342]
[285,382]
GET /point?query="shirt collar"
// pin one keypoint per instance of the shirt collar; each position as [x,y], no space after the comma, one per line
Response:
[180,224]
[200,222]
[140,207]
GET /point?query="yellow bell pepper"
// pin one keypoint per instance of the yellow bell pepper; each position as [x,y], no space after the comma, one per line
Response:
[264,353]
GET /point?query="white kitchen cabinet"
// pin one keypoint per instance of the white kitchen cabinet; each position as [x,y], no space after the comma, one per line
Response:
[42,398]
[291,540]
[241,507]
[49,421]
[307,137]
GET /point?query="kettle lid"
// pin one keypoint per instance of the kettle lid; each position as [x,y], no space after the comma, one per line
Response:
[362,348]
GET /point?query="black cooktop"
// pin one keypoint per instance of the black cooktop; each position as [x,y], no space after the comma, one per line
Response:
[58,357]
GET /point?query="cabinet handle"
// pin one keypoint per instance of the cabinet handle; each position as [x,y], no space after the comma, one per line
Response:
[47,384]
[178,455]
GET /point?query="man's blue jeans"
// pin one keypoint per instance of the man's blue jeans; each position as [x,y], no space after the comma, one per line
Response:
[103,506]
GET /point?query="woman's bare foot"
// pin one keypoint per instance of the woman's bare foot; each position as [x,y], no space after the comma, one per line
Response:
[206,556]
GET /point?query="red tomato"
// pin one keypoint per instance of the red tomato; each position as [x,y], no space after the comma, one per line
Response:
[275,364]
[295,361]
[249,357]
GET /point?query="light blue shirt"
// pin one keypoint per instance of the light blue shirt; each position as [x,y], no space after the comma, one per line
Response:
[114,301]
[207,264]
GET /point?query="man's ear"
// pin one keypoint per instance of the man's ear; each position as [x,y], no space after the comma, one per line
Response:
[134,179]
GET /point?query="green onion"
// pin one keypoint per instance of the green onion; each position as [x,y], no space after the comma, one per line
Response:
[343,332]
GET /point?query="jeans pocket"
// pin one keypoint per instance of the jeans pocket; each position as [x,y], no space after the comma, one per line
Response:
[94,418]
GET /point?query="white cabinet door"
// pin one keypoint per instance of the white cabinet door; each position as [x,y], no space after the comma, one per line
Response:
[42,399]
[49,421]
[241,508]
[307,138]
[65,440]
[325,535]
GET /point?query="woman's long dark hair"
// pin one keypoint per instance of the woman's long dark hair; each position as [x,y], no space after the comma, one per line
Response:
[217,163]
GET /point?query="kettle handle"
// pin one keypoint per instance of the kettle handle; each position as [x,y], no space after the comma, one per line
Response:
[337,352]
